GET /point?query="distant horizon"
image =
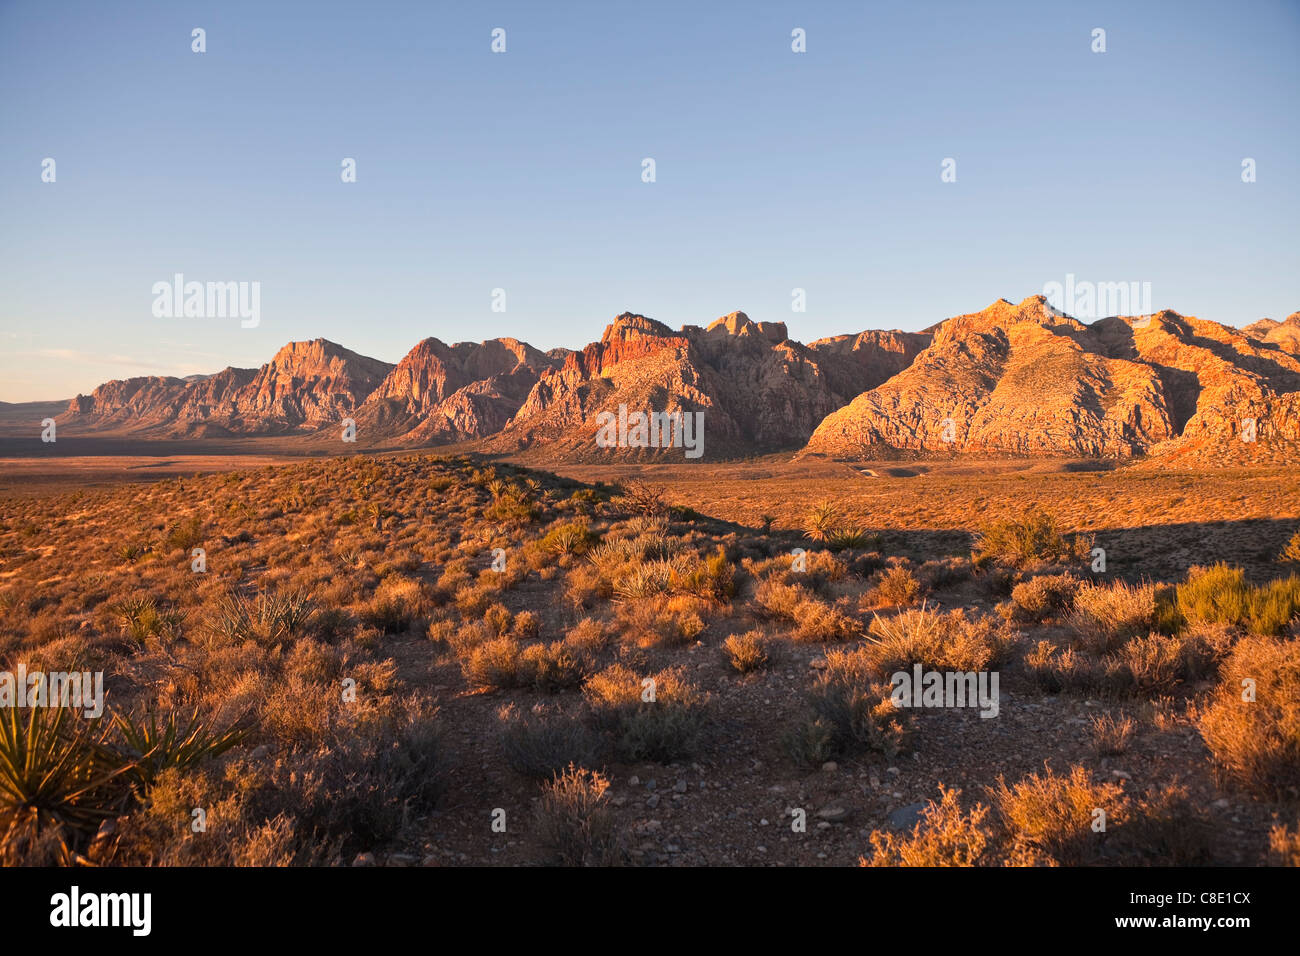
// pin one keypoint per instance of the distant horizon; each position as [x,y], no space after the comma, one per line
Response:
[606,324]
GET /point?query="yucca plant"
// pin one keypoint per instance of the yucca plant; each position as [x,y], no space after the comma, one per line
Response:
[850,537]
[157,746]
[820,522]
[59,779]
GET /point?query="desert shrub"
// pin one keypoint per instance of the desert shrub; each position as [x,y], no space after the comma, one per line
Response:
[141,617]
[663,621]
[497,617]
[818,621]
[746,652]
[574,825]
[812,741]
[550,667]
[1105,615]
[641,498]
[1166,828]
[1284,845]
[544,745]
[1167,619]
[494,664]
[1256,742]
[1111,735]
[369,780]
[848,537]
[1274,606]
[821,521]
[185,534]
[395,605]
[1157,663]
[586,638]
[855,708]
[160,833]
[1214,595]
[944,836]
[937,640]
[944,572]
[780,600]
[644,580]
[897,587]
[1049,816]
[526,624]
[1032,538]
[332,623]
[512,503]
[1042,596]
[1291,552]
[572,538]
[815,620]
[659,718]
[711,576]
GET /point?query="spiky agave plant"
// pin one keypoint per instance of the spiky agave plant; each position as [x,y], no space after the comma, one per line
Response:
[157,746]
[58,776]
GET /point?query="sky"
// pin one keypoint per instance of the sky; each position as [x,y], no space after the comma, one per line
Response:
[522,170]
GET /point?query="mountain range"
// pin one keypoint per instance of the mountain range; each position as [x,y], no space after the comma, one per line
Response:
[1019,380]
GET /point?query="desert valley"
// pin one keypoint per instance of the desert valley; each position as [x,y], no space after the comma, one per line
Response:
[350,612]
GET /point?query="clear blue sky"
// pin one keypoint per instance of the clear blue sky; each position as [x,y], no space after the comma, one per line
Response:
[522,170]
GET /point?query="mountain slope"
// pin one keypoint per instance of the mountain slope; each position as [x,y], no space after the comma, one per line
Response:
[756,389]
[1024,380]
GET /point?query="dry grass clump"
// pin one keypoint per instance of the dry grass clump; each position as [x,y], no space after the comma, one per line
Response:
[269,617]
[814,619]
[396,605]
[504,663]
[896,587]
[1042,596]
[574,824]
[937,640]
[944,836]
[1052,819]
[1149,665]
[1106,615]
[747,652]
[849,710]
[542,745]
[659,717]
[1256,742]
[572,538]
[1111,735]
[1291,552]
[1054,669]
[665,620]
[1284,845]
[1033,538]
[1158,663]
